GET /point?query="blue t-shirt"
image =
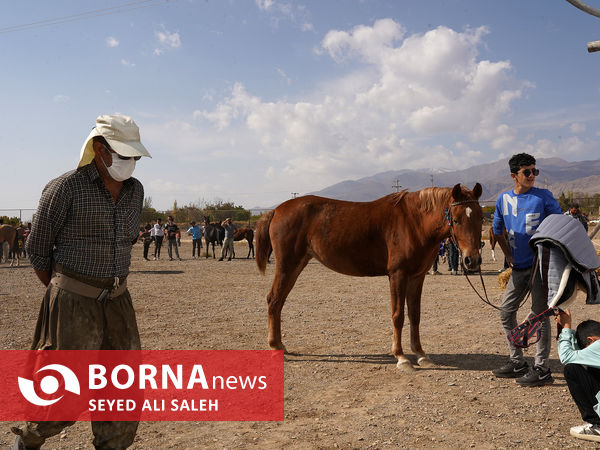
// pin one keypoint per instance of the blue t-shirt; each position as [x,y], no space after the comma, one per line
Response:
[196,232]
[520,215]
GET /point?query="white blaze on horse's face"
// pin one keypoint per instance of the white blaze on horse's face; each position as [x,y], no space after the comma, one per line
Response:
[468,211]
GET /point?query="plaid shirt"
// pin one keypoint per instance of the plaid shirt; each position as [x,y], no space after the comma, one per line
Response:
[78,225]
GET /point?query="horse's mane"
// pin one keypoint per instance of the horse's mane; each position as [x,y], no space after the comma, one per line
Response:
[430,199]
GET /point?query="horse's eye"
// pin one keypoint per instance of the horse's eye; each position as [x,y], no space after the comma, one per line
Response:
[456,221]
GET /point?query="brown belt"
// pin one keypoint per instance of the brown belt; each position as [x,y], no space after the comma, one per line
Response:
[77,287]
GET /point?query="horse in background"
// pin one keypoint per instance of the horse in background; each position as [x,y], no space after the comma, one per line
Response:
[248,234]
[398,236]
[214,233]
[9,243]
[493,240]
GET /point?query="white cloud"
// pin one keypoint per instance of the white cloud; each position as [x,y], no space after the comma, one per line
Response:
[410,100]
[283,75]
[166,41]
[265,5]
[60,98]
[280,11]
[577,128]
[112,42]
[127,63]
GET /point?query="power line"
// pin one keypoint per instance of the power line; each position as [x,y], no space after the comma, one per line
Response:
[86,15]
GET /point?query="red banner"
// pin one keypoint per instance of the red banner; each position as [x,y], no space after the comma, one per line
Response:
[196,385]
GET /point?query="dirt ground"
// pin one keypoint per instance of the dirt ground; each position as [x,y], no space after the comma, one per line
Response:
[342,387]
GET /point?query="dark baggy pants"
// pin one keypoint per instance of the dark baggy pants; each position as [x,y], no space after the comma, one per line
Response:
[68,321]
[584,384]
[157,245]
[196,244]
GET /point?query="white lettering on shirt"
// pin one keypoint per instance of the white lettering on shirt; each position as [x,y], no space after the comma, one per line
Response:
[532,220]
[506,200]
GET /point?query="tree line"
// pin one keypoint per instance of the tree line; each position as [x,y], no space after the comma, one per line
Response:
[217,211]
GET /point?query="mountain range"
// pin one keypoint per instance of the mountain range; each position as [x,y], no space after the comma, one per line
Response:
[556,174]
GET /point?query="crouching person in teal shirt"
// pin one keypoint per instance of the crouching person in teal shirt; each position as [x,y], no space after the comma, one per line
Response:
[579,351]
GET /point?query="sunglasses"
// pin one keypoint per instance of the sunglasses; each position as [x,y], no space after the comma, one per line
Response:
[137,158]
[528,172]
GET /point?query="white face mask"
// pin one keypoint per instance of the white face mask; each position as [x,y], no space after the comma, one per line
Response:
[121,169]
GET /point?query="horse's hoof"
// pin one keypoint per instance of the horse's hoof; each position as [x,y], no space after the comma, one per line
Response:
[279,347]
[424,361]
[405,366]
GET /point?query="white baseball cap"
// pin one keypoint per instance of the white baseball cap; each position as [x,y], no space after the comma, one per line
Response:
[121,133]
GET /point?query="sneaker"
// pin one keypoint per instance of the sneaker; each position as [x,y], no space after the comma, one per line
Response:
[538,376]
[220,259]
[588,432]
[511,369]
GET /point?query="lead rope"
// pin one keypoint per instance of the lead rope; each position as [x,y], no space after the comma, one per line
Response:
[526,291]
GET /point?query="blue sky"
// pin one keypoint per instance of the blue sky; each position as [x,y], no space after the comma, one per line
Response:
[249,101]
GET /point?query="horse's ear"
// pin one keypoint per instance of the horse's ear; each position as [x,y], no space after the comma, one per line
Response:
[477,190]
[456,192]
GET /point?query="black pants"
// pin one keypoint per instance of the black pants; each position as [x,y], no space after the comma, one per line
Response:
[157,245]
[584,384]
[196,243]
[146,247]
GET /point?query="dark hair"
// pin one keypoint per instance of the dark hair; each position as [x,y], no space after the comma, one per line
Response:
[192,223]
[159,219]
[170,218]
[586,329]
[520,160]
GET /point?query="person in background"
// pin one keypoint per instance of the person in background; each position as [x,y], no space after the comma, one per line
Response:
[195,231]
[146,236]
[579,351]
[171,230]
[434,268]
[80,248]
[575,212]
[452,257]
[520,211]
[228,241]
[157,233]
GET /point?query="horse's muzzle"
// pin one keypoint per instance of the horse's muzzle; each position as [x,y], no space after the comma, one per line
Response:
[473,262]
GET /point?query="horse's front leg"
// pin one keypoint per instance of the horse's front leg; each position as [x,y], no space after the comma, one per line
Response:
[413,302]
[398,295]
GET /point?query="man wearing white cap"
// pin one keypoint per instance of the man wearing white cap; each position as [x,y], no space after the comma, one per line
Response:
[80,248]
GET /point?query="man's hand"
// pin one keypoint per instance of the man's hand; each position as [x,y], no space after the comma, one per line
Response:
[564,319]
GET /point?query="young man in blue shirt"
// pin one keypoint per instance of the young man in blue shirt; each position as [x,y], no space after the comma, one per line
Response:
[520,211]
[580,352]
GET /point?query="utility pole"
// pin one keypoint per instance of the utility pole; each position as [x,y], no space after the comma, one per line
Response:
[396,185]
[431,178]
[294,194]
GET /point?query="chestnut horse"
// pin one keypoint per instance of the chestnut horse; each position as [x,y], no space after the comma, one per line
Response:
[248,234]
[9,234]
[399,236]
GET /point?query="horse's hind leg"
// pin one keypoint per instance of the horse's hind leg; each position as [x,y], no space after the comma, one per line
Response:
[283,282]
[413,302]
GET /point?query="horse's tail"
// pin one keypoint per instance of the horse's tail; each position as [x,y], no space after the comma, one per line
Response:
[263,241]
